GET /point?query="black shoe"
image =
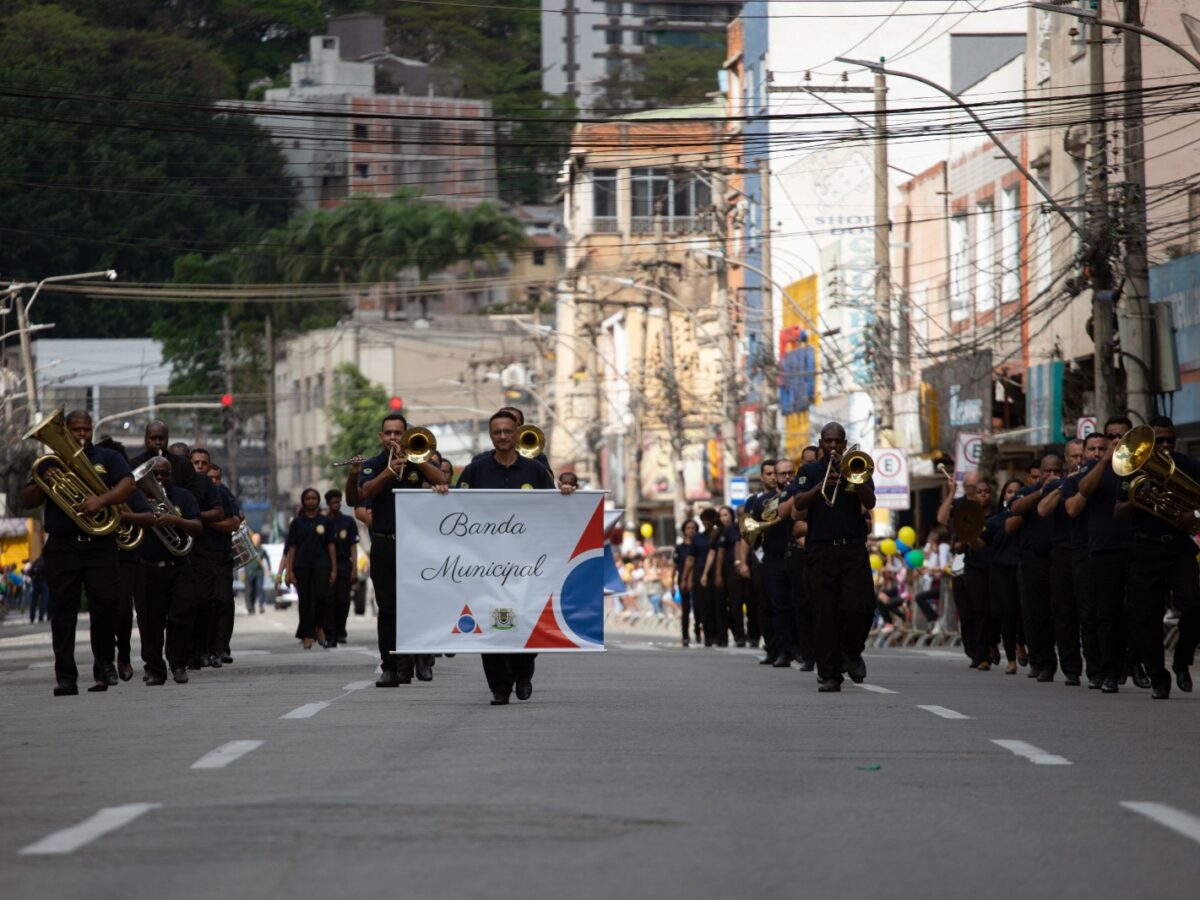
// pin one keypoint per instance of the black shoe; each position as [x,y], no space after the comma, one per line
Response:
[124,671]
[974,664]
[1110,685]
[424,672]
[66,689]
[1072,681]
[214,661]
[807,665]
[1183,678]
[154,680]
[98,688]
[180,675]
[1140,678]
[1094,683]
[767,660]
[739,643]
[687,642]
[783,661]
[388,678]
[1161,691]
[110,674]
[405,677]
[1032,673]
[343,638]
[1046,676]
[499,698]
[226,658]
[524,690]
[194,663]
[829,686]
[995,655]
[857,671]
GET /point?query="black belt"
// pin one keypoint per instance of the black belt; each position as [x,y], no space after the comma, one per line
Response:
[163,564]
[83,538]
[386,535]
[835,542]
[1155,538]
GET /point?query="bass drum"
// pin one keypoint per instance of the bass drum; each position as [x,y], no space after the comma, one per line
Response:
[244,551]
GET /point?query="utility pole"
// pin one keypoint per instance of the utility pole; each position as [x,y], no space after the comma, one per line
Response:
[1141,369]
[729,383]
[272,465]
[770,395]
[1099,235]
[31,390]
[884,374]
[229,425]
[674,404]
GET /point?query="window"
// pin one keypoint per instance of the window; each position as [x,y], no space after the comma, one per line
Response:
[360,131]
[677,198]
[307,401]
[297,399]
[319,392]
[985,259]
[604,194]
[1010,242]
[469,136]
[612,37]
[641,9]
[612,9]
[539,257]
[960,297]
[362,170]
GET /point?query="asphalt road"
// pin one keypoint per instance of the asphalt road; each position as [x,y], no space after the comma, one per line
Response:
[648,771]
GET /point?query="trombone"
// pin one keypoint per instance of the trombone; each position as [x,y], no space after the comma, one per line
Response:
[855,467]
[531,442]
[417,445]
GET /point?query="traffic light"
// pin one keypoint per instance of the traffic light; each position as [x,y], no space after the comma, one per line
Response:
[396,404]
[227,400]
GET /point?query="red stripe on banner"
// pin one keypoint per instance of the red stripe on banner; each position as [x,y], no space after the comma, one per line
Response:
[546,634]
[593,535]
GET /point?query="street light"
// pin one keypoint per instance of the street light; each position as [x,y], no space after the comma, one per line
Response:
[1093,16]
[24,329]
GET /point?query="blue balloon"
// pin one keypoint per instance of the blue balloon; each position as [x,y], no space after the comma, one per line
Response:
[902,548]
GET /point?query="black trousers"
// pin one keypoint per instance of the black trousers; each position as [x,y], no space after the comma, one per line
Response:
[687,607]
[967,626]
[1110,574]
[843,604]
[503,670]
[71,568]
[978,599]
[131,576]
[166,602]
[737,589]
[802,623]
[341,598]
[1165,573]
[712,613]
[759,607]
[1037,611]
[312,586]
[383,577]
[206,572]
[1086,606]
[223,612]
[1064,610]
[1004,594]
[779,593]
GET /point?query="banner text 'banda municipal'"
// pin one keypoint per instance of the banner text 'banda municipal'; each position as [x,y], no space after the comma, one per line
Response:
[499,571]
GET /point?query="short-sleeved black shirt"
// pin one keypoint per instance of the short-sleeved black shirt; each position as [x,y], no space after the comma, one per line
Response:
[729,540]
[383,504]
[1003,546]
[311,536]
[345,536]
[523,474]
[1078,524]
[1036,534]
[682,551]
[844,520]
[776,540]
[540,458]
[1105,532]
[109,465]
[209,544]
[152,548]
[137,503]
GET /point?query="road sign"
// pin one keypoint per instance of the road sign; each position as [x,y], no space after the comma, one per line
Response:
[1085,426]
[968,451]
[891,478]
[739,490]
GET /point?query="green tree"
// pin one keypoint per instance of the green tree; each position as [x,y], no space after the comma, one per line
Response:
[664,76]
[358,405]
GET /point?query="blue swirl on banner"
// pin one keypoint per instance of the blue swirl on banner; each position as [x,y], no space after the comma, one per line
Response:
[577,602]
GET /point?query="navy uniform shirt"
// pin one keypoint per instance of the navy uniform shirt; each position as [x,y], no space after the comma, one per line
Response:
[229,507]
[1036,534]
[383,504]
[153,550]
[682,551]
[729,540]
[699,552]
[984,556]
[109,465]
[1150,524]
[777,539]
[523,474]
[540,458]
[1064,526]
[1078,525]
[345,536]
[1104,531]
[311,536]
[209,543]
[843,520]
[1003,546]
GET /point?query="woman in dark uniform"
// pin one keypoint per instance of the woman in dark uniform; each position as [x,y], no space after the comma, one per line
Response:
[683,553]
[1003,585]
[309,563]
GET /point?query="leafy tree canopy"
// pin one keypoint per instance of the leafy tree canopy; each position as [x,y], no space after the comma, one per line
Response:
[664,76]
[357,408]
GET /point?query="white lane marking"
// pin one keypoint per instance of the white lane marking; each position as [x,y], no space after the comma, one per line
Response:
[42,665]
[1034,754]
[1175,819]
[876,689]
[357,685]
[625,645]
[225,754]
[279,625]
[944,712]
[307,711]
[71,839]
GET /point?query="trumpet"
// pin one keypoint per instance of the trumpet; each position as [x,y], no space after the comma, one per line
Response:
[531,442]
[855,467]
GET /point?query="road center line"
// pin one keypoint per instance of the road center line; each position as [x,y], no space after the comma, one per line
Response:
[307,711]
[1035,755]
[876,689]
[225,754]
[1175,819]
[943,712]
[357,685]
[71,839]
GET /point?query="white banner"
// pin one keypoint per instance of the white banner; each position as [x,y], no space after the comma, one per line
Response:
[482,571]
[891,477]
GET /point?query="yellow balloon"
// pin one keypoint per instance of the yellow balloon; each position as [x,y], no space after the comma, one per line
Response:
[887,547]
[647,530]
[876,562]
[908,535]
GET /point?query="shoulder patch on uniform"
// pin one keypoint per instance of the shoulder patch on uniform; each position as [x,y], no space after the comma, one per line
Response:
[99,467]
[463,484]
[320,529]
[342,534]
[413,476]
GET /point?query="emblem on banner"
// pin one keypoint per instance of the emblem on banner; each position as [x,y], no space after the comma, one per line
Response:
[504,618]
[466,623]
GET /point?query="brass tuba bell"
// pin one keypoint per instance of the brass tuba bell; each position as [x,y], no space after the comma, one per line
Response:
[531,442]
[1156,486]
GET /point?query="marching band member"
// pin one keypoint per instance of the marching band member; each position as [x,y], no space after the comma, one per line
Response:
[157,440]
[131,575]
[223,634]
[797,562]
[839,570]
[983,632]
[506,469]
[310,563]
[1035,536]
[749,565]
[1004,589]
[345,545]
[1063,602]
[683,562]
[1073,503]
[774,544]
[369,484]
[78,561]
[213,553]
[958,580]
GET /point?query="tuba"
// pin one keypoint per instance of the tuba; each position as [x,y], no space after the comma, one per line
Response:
[177,542]
[1156,486]
[73,479]
[531,442]
[417,445]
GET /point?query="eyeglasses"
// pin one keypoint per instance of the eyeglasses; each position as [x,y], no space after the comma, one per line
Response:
[1169,441]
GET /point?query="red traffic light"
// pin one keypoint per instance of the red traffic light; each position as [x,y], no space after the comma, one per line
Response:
[396,403]
[227,399]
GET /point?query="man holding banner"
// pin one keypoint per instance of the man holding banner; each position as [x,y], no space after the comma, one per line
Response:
[503,469]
